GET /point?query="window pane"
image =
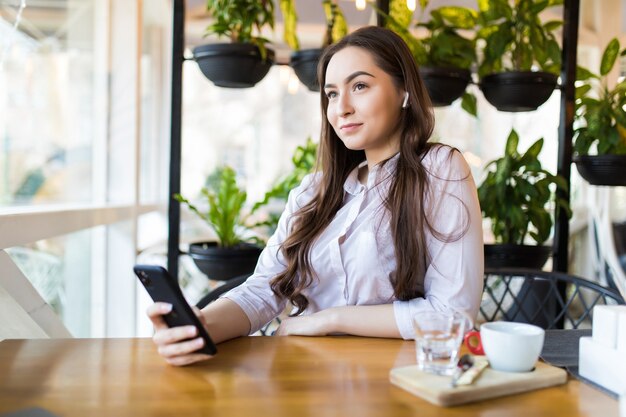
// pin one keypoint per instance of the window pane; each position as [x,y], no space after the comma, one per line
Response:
[253,130]
[155,100]
[47,102]
[60,270]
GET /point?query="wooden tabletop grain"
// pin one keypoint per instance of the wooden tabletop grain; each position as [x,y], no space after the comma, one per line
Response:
[251,376]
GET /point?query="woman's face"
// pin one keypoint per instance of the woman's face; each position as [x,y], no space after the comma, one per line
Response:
[364,104]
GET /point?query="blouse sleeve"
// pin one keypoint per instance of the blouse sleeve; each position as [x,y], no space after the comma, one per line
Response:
[254,296]
[454,277]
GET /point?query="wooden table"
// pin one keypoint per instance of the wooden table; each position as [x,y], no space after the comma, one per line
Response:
[252,376]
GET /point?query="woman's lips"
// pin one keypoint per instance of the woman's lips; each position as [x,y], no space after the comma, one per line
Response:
[350,127]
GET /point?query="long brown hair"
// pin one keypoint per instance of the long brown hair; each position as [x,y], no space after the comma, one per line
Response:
[408,187]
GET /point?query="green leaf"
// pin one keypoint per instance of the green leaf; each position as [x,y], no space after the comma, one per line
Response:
[459,17]
[582,91]
[448,49]
[483,5]
[552,25]
[288,8]
[511,143]
[609,57]
[560,182]
[336,24]
[495,9]
[525,57]
[533,151]
[400,13]
[498,41]
[539,6]
[468,103]
[583,74]
[554,51]
[538,44]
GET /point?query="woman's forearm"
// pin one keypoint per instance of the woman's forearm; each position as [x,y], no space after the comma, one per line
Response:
[225,320]
[373,321]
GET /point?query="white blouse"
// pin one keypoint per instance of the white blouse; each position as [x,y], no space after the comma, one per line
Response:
[354,257]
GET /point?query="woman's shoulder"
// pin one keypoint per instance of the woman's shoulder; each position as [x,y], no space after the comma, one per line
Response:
[445,163]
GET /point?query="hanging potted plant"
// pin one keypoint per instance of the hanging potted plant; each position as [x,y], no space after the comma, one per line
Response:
[246,59]
[600,110]
[515,196]
[304,61]
[515,43]
[444,57]
[236,251]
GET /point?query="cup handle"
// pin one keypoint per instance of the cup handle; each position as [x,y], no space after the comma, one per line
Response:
[473,342]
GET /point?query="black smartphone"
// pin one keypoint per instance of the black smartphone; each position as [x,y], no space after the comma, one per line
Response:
[162,288]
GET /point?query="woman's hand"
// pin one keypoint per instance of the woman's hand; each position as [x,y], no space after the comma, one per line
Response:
[177,344]
[318,324]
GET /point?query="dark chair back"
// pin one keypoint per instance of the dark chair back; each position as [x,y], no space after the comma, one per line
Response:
[224,288]
[551,300]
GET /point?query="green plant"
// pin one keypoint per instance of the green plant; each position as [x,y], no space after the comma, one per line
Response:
[239,19]
[603,117]
[514,37]
[516,192]
[225,208]
[303,161]
[444,46]
[336,26]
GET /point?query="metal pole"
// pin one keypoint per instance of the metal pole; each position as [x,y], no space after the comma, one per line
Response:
[571,12]
[178,48]
[383,5]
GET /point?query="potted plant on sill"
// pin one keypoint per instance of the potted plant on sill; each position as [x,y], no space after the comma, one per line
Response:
[232,254]
[304,61]
[444,57]
[515,196]
[515,43]
[600,110]
[247,59]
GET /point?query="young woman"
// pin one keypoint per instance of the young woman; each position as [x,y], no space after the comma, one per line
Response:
[389,225]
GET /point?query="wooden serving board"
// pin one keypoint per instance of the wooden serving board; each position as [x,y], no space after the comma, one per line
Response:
[490,384]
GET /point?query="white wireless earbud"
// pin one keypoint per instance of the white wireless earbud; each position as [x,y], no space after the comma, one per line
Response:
[405,103]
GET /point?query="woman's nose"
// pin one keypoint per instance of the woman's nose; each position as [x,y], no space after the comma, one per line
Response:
[344,105]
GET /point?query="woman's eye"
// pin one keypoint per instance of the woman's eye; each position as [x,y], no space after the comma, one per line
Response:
[331,94]
[359,86]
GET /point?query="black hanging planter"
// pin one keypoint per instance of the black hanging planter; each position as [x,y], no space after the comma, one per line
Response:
[304,63]
[602,169]
[222,264]
[518,256]
[233,65]
[518,91]
[444,85]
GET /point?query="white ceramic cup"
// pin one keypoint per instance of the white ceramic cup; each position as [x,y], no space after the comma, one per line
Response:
[511,347]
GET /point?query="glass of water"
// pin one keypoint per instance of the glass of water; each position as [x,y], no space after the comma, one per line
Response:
[438,337]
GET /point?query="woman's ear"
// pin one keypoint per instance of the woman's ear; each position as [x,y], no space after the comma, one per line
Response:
[405,103]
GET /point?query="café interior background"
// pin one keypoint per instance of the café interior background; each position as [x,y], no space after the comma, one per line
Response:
[84,134]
